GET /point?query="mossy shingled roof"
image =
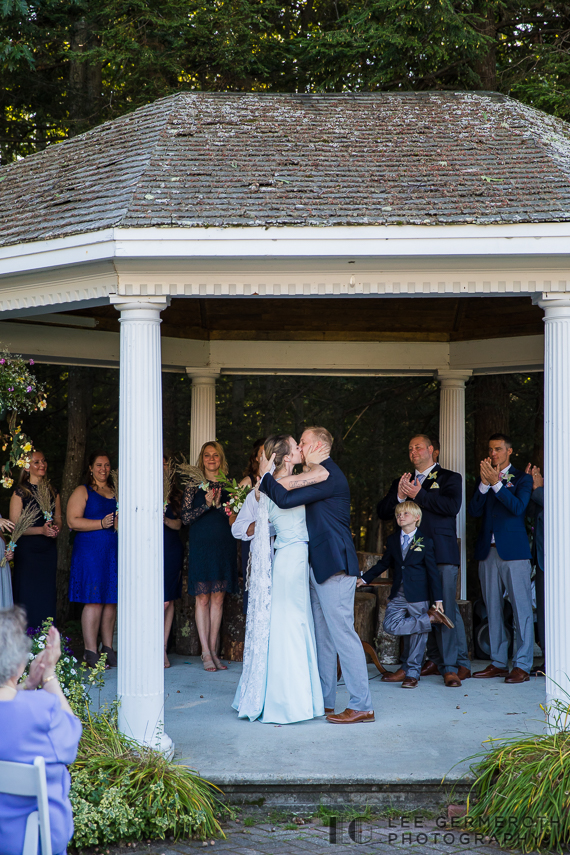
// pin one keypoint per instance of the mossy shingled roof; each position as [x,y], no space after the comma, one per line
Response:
[207,159]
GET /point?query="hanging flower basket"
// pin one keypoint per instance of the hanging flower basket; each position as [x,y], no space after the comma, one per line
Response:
[20,392]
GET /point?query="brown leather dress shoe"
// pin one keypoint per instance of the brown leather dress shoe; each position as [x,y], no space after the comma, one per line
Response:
[491,671]
[439,617]
[463,673]
[394,677]
[351,717]
[429,669]
[409,683]
[517,675]
[329,710]
[452,680]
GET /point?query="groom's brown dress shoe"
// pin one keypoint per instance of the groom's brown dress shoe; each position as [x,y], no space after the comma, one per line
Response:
[409,683]
[394,677]
[351,717]
[452,680]
[463,673]
[429,669]
[517,675]
[491,671]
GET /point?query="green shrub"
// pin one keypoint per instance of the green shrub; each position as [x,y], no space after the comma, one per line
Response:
[521,794]
[122,791]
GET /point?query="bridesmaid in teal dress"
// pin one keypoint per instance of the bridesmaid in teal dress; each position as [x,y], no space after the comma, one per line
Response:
[280,682]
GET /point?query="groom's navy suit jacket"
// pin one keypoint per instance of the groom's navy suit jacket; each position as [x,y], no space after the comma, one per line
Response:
[440,501]
[417,572]
[503,516]
[331,549]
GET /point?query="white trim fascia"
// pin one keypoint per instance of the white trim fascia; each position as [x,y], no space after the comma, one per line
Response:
[540,239]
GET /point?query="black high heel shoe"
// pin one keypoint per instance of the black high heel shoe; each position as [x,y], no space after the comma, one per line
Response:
[91,658]
[111,656]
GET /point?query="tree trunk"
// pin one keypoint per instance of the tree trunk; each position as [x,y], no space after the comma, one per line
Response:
[486,66]
[79,399]
[491,412]
[85,79]
[538,447]
[236,450]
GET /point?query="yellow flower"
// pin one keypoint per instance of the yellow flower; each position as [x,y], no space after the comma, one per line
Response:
[18,429]
[27,446]
[7,482]
[21,462]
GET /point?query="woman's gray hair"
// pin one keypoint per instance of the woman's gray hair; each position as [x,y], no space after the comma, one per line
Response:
[15,645]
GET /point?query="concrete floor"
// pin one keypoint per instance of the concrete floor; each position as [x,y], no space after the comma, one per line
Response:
[419,735]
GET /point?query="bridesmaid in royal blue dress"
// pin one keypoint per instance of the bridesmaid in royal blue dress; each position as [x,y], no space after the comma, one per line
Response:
[91,513]
[173,558]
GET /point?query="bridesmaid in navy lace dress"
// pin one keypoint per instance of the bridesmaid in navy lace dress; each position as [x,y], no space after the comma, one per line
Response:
[212,556]
[173,558]
[35,557]
[91,513]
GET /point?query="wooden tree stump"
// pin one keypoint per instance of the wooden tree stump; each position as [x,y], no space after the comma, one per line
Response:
[366,560]
[365,615]
[387,646]
[233,627]
[186,633]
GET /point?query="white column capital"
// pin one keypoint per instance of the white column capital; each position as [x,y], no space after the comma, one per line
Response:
[130,305]
[453,377]
[555,305]
[202,379]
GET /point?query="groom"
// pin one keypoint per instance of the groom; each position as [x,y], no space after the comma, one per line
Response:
[334,571]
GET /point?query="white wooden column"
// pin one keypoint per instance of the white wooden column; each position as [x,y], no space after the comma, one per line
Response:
[203,413]
[557,497]
[452,441]
[140,683]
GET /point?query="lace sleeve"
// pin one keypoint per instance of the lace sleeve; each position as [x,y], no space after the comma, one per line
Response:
[188,514]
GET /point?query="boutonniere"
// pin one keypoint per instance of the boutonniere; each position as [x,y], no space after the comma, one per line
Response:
[506,479]
[432,475]
[418,544]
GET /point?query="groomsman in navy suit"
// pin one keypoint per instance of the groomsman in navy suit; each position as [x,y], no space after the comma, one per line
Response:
[438,492]
[501,497]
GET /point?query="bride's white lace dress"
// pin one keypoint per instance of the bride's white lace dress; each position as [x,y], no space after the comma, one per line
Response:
[280,679]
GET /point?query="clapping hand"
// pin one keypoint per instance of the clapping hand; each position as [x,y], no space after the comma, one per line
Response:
[408,487]
[6,525]
[489,474]
[43,666]
[537,479]
[210,497]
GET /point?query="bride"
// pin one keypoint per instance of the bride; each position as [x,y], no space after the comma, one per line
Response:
[280,678]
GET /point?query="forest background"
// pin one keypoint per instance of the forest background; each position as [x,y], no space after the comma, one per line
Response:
[68,65]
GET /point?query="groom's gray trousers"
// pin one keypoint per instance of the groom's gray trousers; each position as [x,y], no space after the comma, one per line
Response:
[333,612]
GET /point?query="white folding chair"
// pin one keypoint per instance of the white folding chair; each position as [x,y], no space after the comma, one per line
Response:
[23,779]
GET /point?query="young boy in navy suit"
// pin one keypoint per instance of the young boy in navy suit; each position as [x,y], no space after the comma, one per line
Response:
[417,583]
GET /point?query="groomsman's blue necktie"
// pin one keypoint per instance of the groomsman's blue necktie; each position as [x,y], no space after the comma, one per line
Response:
[421,478]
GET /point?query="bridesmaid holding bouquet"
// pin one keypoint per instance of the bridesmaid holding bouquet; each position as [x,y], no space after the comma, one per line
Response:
[35,557]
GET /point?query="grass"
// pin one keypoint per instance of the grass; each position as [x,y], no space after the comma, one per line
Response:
[521,794]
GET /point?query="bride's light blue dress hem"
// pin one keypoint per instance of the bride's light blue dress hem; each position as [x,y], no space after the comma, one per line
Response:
[293,687]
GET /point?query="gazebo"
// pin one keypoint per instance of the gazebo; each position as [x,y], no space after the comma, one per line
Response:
[373,234]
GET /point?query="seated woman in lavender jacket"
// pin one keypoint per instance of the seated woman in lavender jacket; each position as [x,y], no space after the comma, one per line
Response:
[32,724]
